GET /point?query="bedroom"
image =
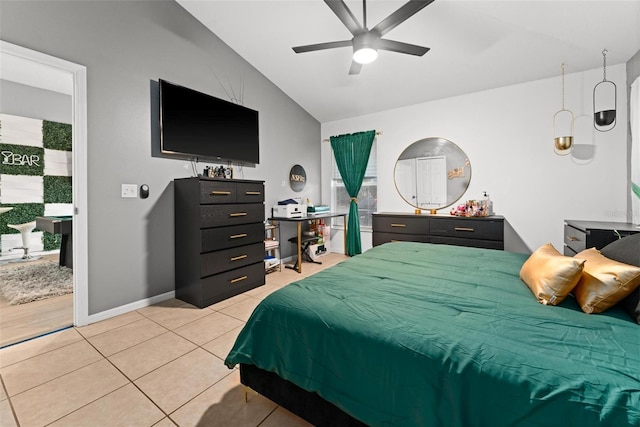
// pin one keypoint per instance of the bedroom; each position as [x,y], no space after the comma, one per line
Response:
[125,46]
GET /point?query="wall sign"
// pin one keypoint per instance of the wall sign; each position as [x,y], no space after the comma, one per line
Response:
[297,178]
[16,159]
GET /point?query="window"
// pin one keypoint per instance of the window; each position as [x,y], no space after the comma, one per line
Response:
[367,197]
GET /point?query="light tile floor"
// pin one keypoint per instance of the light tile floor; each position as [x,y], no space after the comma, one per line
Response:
[158,366]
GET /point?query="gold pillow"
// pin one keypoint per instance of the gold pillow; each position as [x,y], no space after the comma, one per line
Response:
[550,275]
[604,282]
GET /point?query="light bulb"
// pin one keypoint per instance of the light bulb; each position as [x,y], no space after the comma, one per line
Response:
[365,55]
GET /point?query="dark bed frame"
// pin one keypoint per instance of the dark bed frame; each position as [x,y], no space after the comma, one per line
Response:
[307,405]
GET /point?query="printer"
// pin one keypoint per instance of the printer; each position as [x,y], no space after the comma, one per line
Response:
[289,211]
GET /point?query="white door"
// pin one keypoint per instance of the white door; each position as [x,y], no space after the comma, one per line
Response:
[431,177]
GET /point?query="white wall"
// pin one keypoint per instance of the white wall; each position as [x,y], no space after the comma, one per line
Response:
[508,135]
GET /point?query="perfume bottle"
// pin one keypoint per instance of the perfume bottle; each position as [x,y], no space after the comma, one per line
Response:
[488,204]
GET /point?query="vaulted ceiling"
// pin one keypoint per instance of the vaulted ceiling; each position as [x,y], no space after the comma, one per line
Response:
[475,45]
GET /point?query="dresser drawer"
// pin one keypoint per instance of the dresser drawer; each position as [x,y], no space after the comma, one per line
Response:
[218,192]
[250,192]
[220,286]
[477,229]
[400,224]
[574,239]
[214,239]
[228,259]
[381,237]
[471,243]
[226,215]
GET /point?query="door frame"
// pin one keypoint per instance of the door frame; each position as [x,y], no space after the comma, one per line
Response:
[79,154]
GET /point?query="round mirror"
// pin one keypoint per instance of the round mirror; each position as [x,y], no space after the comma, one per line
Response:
[432,173]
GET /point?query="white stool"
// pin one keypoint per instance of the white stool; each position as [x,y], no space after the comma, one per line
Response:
[25,229]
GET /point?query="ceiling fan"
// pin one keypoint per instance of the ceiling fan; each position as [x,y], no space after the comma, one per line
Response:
[366,42]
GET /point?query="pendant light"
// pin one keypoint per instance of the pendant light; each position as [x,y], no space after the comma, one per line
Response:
[563,127]
[604,110]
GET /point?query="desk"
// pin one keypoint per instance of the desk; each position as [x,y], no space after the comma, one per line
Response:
[311,217]
[59,225]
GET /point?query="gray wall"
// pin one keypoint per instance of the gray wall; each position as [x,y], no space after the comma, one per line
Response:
[126,47]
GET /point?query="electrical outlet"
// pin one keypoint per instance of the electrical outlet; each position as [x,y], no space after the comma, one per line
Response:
[129,191]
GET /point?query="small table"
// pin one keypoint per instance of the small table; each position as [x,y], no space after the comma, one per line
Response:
[311,217]
[59,225]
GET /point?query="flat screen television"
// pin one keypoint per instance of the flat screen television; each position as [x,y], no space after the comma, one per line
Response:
[201,126]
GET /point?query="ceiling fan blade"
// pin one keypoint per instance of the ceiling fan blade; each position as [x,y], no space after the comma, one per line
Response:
[345,15]
[355,68]
[401,15]
[322,46]
[401,47]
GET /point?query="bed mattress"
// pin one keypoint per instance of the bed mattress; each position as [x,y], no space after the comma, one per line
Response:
[421,334]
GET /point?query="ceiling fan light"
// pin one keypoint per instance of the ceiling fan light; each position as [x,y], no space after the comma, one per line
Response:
[365,55]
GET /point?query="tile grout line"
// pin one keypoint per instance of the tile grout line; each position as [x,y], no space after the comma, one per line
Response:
[198,394]
[54,378]
[13,411]
[131,381]
[268,415]
[46,352]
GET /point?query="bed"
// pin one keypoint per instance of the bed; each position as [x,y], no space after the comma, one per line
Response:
[417,334]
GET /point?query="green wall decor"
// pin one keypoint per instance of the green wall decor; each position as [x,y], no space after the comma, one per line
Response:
[56,136]
[21,213]
[57,189]
[21,160]
[29,161]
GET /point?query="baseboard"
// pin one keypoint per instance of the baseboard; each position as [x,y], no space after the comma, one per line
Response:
[107,314]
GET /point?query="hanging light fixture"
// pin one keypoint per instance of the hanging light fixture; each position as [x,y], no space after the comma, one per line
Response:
[563,127]
[604,114]
[365,48]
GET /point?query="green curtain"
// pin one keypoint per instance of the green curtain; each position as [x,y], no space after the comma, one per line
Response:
[352,155]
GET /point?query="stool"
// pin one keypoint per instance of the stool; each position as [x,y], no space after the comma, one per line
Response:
[306,242]
[25,229]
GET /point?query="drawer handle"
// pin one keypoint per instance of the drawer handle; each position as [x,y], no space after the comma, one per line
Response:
[463,228]
[398,225]
[238,214]
[572,239]
[239,257]
[239,279]
[220,193]
[252,193]
[238,236]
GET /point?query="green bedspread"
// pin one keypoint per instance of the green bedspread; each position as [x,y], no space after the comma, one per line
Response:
[434,335]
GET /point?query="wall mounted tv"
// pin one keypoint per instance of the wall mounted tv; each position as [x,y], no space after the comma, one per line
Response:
[200,126]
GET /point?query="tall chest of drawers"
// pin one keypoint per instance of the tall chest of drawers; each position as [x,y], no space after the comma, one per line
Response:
[219,238]
[479,232]
[581,235]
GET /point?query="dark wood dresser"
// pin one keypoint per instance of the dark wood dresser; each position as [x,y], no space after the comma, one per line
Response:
[219,238]
[479,232]
[581,235]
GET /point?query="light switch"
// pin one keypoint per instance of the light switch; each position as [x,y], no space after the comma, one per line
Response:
[129,191]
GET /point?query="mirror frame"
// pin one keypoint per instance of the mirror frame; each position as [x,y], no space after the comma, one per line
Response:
[435,147]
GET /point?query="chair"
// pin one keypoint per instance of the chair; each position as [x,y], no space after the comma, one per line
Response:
[25,229]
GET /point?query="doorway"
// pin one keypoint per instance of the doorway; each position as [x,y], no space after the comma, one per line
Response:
[32,68]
